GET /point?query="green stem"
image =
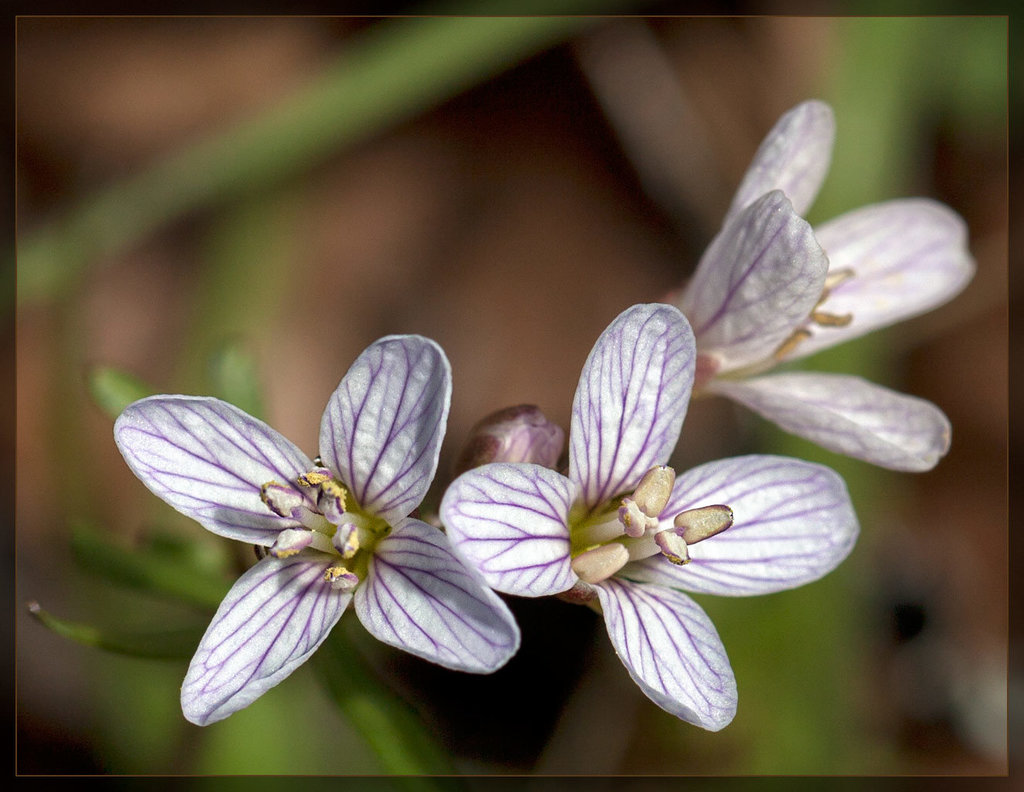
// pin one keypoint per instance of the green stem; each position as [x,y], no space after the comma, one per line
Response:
[171,643]
[399,738]
[394,70]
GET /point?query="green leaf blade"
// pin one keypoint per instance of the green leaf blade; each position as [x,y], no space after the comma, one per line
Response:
[167,644]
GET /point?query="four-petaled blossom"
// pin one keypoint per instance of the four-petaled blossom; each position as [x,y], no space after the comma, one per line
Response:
[337,530]
[769,289]
[621,528]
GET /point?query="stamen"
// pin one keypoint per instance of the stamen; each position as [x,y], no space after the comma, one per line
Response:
[799,335]
[331,501]
[654,490]
[340,578]
[600,563]
[673,546]
[290,541]
[835,277]
[283,501]
[700,524]
[824,318]
[831,320]
[346,540]
[639,513]
[314,477]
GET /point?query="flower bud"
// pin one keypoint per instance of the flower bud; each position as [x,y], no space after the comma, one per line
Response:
[514,434]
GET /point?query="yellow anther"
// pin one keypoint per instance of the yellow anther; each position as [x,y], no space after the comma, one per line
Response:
[280,499]
[340,578]
[313,478]
[346,540]
[335,490]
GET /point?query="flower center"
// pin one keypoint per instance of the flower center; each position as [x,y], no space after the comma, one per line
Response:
[332,524]
[604,543]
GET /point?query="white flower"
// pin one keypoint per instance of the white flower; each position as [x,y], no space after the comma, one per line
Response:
[621,529]
[771,289]
[337,530]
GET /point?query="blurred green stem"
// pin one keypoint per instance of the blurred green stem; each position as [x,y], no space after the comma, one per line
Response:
[170,643]
[149,568]
[394,70]
[401,741]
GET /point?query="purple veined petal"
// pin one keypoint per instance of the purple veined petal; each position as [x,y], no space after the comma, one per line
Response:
[672,651]
[907,257]
[794,158]
[272,620]
[208,459]
[848,415]
[381,432]
[793,523]
[757,281]
[631,400]
[510,523]
[419,597]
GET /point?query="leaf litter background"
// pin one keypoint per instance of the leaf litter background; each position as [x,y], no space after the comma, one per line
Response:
[510,223]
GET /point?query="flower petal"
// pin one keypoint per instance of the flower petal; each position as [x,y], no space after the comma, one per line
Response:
[757,281]
[510,523]
[848,415]
[381,432]
[793,523]
[272,620]
[419,597]
[631,400]
[794,158]
[907,257]
[672,651]
[208,460]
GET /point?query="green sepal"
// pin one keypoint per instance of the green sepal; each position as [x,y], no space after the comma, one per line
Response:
[113,389]
[173,644]
[172,569]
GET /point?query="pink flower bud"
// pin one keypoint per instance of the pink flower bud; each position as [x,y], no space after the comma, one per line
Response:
[514,434]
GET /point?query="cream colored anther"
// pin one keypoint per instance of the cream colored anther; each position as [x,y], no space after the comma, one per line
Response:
[640,513]
[600,563]
[703,523]
[654,490]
